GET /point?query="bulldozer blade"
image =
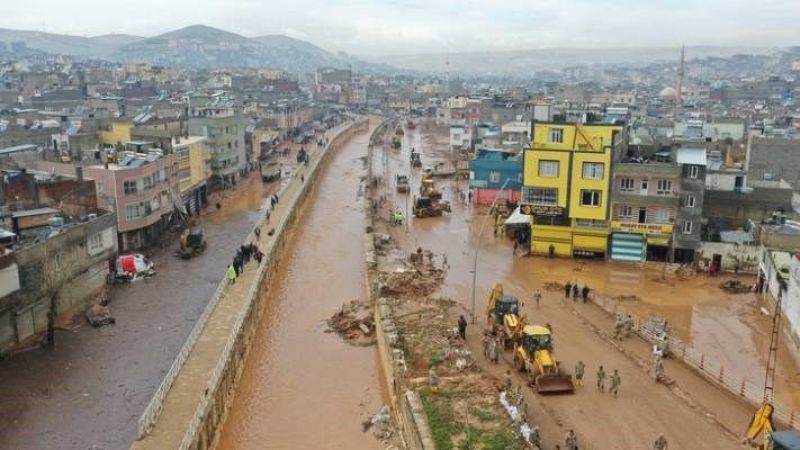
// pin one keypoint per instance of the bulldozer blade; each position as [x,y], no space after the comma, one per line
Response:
[551,384]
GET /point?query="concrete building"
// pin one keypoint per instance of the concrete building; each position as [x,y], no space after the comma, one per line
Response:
[773,159]
[194,170]
[224,129]
[687,237]
[61,275]
[489,170]
[567,186]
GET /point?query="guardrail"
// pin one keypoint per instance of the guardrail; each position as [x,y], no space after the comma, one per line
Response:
[710,368]
[153,409]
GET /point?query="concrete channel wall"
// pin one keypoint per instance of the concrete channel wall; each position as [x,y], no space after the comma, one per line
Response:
[406,403]
[208,414]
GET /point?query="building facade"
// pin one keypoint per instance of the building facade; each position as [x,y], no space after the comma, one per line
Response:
[194,170]
[567,185]
[489,170]
[224,130]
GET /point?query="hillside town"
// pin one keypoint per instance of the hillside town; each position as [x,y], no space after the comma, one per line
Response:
[639,221]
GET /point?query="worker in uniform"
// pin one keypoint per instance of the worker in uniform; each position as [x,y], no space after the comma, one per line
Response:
[601,379]
[618,325]
[493,349]
[230,272]
[616,380]
[571,440]
[433,379]
[579,370]
[658,367]
[535,437]
[485,341]
[537,297]
[628,329]
[507,381]
[661,442]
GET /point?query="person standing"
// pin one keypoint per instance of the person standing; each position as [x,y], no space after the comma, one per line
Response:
[585,293]
[601,379]
[493,346]
[616,380]
[661,442]
[507,382]
[462,327]
[571,440]
[575,292]
[580,368]
[433,379]
[537,297]
[567,289]
[230,273]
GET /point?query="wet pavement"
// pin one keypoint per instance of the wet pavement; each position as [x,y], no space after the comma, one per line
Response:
[729,327]
[303,388]
[90,392]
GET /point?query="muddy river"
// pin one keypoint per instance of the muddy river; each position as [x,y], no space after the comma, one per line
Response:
[302,387]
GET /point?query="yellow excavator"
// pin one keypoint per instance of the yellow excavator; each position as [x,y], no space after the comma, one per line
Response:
[503,317]
[761,433]
[534,354]
[427,188]
[193,240]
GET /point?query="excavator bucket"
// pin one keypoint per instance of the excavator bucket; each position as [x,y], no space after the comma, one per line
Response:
[552,384]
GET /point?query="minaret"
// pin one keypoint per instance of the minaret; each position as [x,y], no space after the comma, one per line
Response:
[679,87]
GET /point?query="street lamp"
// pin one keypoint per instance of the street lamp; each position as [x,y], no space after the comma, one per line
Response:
[478,247]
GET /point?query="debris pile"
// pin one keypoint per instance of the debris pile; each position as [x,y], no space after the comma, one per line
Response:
[417,283]
[735,287]
[354,323]
[99,315]
[627,298]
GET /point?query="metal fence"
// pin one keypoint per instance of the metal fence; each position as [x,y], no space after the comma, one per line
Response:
[710,368]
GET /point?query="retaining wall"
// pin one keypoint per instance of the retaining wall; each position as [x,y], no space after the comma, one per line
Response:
[406,404]
[211,410]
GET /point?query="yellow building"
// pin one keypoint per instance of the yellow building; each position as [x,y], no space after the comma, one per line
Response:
[567,185]
[119,132]
[194,169]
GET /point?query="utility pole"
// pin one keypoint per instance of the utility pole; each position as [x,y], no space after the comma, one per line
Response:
[670,252]
[478,247]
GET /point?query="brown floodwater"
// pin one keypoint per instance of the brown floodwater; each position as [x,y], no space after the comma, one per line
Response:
[728,328]
[303,388]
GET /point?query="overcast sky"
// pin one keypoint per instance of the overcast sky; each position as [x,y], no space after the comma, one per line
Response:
[432,26]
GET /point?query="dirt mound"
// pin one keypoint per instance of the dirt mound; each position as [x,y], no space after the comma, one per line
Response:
[354,323]
[412,283]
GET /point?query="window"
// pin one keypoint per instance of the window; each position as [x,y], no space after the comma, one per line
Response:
[101,188]
[147,182]
[689,201]
[494,176]
[662,215]
[693,171]
[548,168]
[541,196]
[185,174]
[590,198]
[687,227]
[625,211]
[626,185]
[664,187]
[556,135]
[129,187]
[132,212]
[592,171]
[95,242]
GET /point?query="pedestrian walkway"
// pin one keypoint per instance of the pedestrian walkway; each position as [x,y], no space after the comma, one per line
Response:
[189,389]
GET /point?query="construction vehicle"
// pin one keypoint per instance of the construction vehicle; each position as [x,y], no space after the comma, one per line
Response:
[193,240]
[427,207]
[402,183]
[270,171]
[534,354]
[416,161]
[503,318]
[427,188]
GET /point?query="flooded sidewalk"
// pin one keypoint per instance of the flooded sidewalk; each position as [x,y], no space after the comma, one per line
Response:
[303,388]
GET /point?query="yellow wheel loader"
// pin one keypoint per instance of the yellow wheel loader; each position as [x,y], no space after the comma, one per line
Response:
[503,317]
[534,355]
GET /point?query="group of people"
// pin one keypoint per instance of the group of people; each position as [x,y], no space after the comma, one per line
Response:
[623,328]
[491,347]
[572,289]
[243,256]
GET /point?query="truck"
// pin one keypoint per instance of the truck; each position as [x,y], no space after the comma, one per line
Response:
[131,267]
[270,171]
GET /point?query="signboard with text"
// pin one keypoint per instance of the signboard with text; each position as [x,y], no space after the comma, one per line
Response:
[644,228]
[541,211]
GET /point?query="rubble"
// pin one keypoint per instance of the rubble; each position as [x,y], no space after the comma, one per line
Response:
[99,315]
[735,287]
[354,323]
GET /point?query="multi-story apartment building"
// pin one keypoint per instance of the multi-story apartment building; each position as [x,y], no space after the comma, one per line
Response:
[692,160]
[566,187]
[194,170]
[224,129]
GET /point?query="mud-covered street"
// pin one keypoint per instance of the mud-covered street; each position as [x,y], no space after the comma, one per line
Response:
[729,327]
[303,388]
[90,392]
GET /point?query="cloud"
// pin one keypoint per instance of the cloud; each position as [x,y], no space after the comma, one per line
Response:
[424,26]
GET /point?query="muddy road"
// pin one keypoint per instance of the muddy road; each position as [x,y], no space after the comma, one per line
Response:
[643,409]
[303,388]
[90,392]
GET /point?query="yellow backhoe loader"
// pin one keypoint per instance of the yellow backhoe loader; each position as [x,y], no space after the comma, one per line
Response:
[534,355]
[503,317]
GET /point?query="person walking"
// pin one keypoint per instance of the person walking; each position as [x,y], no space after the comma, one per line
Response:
[601,379]
[575,292]
[580,368]
[567,289]
[433,379]
[628,326]
[616,380]
[585,293]
[618,325]
[537,297]
[230,273]
[462,327]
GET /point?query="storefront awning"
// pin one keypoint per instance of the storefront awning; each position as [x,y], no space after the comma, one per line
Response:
[518,219]
[658,241]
